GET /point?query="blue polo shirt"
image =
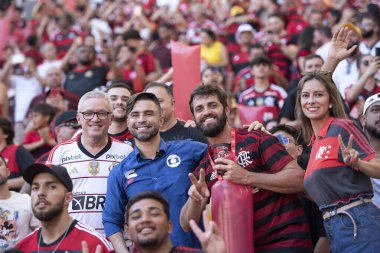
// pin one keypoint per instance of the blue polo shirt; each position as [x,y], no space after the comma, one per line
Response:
[167,173]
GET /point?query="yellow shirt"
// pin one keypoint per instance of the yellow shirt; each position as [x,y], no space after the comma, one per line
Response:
[212,55]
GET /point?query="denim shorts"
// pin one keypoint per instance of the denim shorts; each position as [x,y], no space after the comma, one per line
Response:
[340,229]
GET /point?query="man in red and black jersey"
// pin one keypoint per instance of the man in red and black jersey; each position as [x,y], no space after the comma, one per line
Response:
[119,94]
[279,220]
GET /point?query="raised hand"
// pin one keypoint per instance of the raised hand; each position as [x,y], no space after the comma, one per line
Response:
[211,239]
[350,155]
[198,190]
[86,250]
[339,44]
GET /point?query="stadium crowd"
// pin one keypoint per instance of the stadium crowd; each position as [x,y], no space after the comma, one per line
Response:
[93,157]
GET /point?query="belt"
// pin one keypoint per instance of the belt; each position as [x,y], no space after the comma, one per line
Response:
[343,210]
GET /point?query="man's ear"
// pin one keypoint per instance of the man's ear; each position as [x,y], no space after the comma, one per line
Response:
[299,150]
[170,224]
[68,198]
[362,119]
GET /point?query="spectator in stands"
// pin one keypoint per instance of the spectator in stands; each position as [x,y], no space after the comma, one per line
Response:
[17,157]
[171,128]
[52,192]
[322,40]
[161,48]
[369,27]
[119,94]
[49,53]
[26,84]
[144,58]
[86,76]
[152,209]
[265,99]
[90,157]
[213,52]
[41,138]
[291,139]
[366,85]
[17,219]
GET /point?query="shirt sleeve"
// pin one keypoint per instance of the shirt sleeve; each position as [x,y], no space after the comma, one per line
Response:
[23,158]
[273,155]
[116,200]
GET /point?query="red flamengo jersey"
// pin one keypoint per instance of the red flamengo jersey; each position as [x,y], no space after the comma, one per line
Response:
[77,233]
[328,179]
[279,220]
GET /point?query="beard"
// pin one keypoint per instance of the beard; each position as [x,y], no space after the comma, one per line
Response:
[367,34]
[146,136]
[214,130]
[355,52]
[3,180]
[373,131]
[121,117]
[51,214]
[148,243]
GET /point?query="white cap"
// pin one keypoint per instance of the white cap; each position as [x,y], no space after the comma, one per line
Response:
[370,101]
[244,28]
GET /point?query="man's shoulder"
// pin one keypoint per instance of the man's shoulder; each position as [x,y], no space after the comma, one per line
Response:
[27,244]
[91,235]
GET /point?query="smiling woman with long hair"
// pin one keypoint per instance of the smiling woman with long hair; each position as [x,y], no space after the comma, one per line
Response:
[340,166]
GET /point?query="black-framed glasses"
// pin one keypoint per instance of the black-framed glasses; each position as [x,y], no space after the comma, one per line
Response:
[90,115]
[317,73]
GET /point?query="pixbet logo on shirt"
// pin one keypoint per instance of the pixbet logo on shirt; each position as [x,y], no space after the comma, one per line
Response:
[88,202]
[115,156]
[71,158]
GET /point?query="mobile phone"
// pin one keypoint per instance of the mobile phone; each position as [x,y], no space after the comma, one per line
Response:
[377,52]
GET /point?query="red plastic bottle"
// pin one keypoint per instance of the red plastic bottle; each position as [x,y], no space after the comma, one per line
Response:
[232,210]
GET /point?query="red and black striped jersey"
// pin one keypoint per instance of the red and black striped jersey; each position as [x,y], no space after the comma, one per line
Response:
[279,220]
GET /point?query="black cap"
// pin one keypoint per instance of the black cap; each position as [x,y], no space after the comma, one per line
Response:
[59,172]
[67,116]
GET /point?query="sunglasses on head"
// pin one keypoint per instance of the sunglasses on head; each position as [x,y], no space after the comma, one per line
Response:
[282,139]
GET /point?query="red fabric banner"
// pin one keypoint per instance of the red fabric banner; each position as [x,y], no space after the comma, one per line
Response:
[186,76]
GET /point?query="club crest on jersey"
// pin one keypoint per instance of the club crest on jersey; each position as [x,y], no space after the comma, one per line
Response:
[173,161]
[93,168]
[323,152]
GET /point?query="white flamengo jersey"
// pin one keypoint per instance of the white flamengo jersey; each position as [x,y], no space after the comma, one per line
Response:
[89,174]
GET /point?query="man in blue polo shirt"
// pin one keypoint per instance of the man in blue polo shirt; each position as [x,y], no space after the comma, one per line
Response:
[153,165]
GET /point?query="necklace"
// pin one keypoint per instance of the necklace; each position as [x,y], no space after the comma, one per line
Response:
[59,243]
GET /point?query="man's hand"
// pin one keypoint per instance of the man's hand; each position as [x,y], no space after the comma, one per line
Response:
[232,171]
[256,125]
[86,250]
[198,190]
[211,239]
[339,44]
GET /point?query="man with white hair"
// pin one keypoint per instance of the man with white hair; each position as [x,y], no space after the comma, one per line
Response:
[90,157]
